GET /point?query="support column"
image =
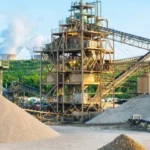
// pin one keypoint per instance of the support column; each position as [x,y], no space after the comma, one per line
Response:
[101,78]
[40,84]
[1,81]
[63,80]
[113,72]
[82,69]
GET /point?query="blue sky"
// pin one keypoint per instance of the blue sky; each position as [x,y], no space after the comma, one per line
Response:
[41,16]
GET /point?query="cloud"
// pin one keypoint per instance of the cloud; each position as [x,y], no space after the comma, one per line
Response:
[3,17]
[14,36]
[24,54]
[4,21]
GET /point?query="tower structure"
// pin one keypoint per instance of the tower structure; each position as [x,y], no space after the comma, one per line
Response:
[79,57]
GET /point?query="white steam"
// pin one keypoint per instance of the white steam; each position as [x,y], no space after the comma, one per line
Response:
[14,36]
[35,43]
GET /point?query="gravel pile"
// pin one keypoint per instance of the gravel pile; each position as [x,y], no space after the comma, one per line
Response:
[139,105]
[123,142]
[17,126]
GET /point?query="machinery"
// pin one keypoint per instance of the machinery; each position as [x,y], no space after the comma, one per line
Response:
[136,122]
[81,55]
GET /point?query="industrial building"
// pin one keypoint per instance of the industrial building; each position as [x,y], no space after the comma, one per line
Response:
[85,94]
[81,55]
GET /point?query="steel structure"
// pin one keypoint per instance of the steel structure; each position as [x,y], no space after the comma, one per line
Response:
[123,76]
[81,55]
[79,58]
[126,38]
[16,87]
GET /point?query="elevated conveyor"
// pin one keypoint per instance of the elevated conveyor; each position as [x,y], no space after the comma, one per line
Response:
[121,78]
[126,60]
[28,89]
[122,37]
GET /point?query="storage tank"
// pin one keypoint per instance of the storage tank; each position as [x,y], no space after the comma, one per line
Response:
[143,84]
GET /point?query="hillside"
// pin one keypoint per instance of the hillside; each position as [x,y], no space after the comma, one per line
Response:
[28,72]
[24,71]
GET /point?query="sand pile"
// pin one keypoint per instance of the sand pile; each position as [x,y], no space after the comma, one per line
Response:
[16,125]
[139,105]
[123,142]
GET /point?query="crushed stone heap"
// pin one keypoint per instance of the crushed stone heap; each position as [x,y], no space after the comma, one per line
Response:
[138,105]
[17,126]
[123,142]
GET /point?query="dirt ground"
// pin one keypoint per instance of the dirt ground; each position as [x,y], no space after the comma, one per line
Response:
[80,138]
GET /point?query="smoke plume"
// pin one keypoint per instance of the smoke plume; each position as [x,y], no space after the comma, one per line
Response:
[35,43]
[14,36]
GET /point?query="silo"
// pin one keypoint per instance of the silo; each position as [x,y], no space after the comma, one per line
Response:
[143,84]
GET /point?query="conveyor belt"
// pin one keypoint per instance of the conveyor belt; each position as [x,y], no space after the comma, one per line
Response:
[27,88]
[127,60]
[122,37]
[121,78]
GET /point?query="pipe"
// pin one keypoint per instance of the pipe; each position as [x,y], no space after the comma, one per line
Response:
[95,13]
[106,20]
[96,8]
[82,70]
[100,8]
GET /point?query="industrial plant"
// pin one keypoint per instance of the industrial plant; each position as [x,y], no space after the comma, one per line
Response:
[79,57]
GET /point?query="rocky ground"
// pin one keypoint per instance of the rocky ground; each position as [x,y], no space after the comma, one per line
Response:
[123,142]
[80,138]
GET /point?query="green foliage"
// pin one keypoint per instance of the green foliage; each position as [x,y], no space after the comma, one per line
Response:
[27,72]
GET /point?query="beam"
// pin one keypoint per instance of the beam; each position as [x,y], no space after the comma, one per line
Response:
[125,38]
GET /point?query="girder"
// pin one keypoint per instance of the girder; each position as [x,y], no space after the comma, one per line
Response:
[122,77]
[125,38]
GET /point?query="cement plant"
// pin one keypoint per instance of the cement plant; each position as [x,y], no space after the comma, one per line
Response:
[74,94]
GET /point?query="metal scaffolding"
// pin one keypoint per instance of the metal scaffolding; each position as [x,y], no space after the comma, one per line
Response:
[80,56]
[76,59]
[125,38]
